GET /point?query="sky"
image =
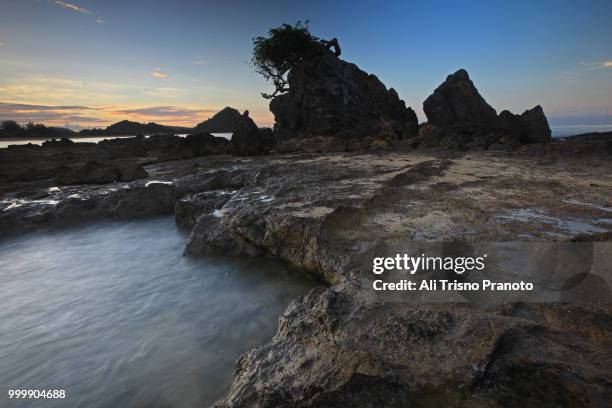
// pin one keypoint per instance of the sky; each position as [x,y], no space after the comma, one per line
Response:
[89,63]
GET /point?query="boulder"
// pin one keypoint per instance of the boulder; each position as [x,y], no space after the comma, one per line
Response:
[536,126]
[329,97]
[247,139]
[205,143]
[94,172]
[63,142]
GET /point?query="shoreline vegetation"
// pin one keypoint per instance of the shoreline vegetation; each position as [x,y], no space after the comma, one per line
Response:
[348,174]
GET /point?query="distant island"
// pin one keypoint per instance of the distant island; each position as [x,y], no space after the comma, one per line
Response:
[223,121]
[126,127]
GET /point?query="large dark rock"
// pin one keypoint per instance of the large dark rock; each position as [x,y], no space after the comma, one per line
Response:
[247,138]
[460,118]
[329,97]
[63,142]
[100,173]
[536,126]
[223,121]
[457,101]
[205,143]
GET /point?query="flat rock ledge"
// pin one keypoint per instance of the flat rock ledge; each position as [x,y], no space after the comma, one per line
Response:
[327,214]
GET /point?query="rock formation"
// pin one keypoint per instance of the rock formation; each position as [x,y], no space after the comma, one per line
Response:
[128,128]
[205,143]
[100,173]
[223,121]
[457,101]
[248,139]
[460,118]
[332,99]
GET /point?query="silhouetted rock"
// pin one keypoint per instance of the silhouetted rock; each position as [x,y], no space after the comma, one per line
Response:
[457,101]
[536,126]
[127,128]
[223,121]
[460,118]
[530,127]
[205,143]
[100,173]
[329,97]
[247,139]
[63,142]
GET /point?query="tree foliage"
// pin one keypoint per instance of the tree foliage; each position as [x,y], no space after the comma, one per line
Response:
[10,126]
[275,55]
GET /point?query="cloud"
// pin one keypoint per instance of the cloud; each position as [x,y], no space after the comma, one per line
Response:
[200,62]
[157,73]
[52,115]
[72,6]
[592,66]
[77,116]
[1,44]
[165,111]
[78,9]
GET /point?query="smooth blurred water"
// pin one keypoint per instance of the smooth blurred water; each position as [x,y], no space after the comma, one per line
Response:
[115,315]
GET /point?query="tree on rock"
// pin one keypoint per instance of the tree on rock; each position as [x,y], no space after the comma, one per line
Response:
[275,55]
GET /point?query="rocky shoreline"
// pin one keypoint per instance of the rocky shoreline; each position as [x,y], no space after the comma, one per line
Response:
[325,214]
[347,173]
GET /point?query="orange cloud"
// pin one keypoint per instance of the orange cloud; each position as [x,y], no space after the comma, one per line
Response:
[78,117]
[159,74]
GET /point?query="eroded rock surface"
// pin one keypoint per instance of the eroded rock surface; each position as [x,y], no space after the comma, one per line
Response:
[327,214]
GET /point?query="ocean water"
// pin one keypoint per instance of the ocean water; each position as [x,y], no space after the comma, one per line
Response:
[571,130]
[113,314]
[557,131]
[91,139]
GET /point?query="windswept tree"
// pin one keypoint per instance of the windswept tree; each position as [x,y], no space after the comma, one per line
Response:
[275,55]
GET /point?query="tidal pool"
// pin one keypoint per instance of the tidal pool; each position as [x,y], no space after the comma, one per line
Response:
[116,316]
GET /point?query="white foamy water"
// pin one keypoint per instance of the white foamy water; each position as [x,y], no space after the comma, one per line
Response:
[116,316]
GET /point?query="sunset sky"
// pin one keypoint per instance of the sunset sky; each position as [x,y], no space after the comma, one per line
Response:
[88,63]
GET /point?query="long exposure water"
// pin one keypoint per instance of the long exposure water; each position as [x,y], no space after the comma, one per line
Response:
[116,316]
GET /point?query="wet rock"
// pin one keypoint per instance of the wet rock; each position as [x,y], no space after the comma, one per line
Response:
[329,97]
[247,138]
[100,173]
[189,208]
[334,349]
